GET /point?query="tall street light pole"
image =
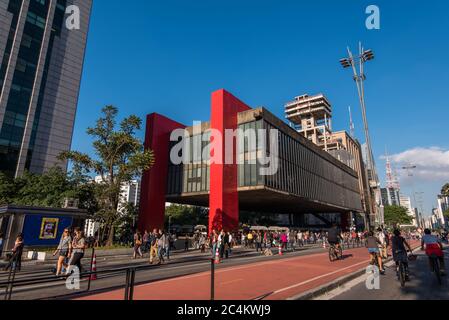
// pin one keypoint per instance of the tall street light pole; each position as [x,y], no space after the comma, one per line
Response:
[409,169]
[358,66]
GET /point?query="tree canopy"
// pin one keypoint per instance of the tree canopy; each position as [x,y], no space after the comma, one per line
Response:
[186,215]
[396,215]
[446,214]
[47,190]
[445,190]
[120,157]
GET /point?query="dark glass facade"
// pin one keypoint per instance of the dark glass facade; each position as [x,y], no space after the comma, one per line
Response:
[58,21]
[40,73]
[11,133]
[194,176]
[303,171]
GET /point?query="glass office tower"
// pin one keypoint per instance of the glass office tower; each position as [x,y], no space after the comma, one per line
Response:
[41,63]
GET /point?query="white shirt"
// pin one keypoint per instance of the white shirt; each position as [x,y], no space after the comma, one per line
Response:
[381,237]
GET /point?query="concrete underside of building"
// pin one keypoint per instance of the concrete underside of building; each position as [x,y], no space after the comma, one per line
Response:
[264,200]
[309,180]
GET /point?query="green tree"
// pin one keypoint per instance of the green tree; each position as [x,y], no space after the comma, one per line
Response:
[46,190]
[7,189]
[445,190]
[396,215]
[446,214]
[126,223]
[186,215]
[120,157]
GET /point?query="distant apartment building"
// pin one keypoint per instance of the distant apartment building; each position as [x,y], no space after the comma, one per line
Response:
[129,192]
[41,62]
[406,203]
[443,206]
[390,197]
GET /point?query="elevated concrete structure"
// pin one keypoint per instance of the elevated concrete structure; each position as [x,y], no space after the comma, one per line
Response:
[308,180]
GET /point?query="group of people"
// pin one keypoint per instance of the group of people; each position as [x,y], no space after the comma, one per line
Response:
[157,243]
[378,242]
[221,243]
[70,251]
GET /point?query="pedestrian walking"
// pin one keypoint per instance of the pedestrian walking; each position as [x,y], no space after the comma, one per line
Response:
[145,240]
[284,241]
[258,242]
[161,246]
[64,250]
[214,243]
[153,245]
[78,248]
[221,243]
[137,245]
[202,243]
[226,244]
[15,259]
[167,245]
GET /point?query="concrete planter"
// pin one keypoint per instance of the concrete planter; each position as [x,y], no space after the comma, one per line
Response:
[35,255]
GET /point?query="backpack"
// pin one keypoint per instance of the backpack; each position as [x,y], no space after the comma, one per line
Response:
[153,240]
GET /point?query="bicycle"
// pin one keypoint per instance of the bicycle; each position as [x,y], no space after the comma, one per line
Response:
[334,253]
[402,274]
[435,267]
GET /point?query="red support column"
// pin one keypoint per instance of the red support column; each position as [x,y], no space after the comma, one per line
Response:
[224,200]
[154,181]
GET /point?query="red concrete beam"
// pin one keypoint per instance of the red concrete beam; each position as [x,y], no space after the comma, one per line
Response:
[154,181]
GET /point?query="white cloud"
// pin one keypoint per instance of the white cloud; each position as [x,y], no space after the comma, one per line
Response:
[432,164]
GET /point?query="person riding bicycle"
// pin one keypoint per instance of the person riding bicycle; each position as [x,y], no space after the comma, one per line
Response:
[398,246]
[372,243]
[334,236]
[433,246]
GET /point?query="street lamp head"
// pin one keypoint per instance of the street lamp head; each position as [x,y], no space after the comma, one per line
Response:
[346,63]
[368,55]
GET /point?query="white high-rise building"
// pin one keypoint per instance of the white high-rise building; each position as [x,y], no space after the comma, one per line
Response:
[443,206]
[406,203]
[129,192]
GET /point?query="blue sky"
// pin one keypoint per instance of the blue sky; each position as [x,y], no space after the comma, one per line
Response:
[168,56]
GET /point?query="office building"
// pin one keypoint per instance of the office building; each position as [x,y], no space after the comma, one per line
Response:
[41,62]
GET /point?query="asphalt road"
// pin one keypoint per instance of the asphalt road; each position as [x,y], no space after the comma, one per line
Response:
[423,285]
[179,266]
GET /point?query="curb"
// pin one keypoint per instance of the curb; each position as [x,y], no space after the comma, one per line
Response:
[314,293]
[321,290]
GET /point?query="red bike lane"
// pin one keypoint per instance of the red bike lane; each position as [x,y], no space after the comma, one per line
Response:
[274,280]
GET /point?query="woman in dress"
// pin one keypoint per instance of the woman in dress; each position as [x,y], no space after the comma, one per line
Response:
[64,251]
